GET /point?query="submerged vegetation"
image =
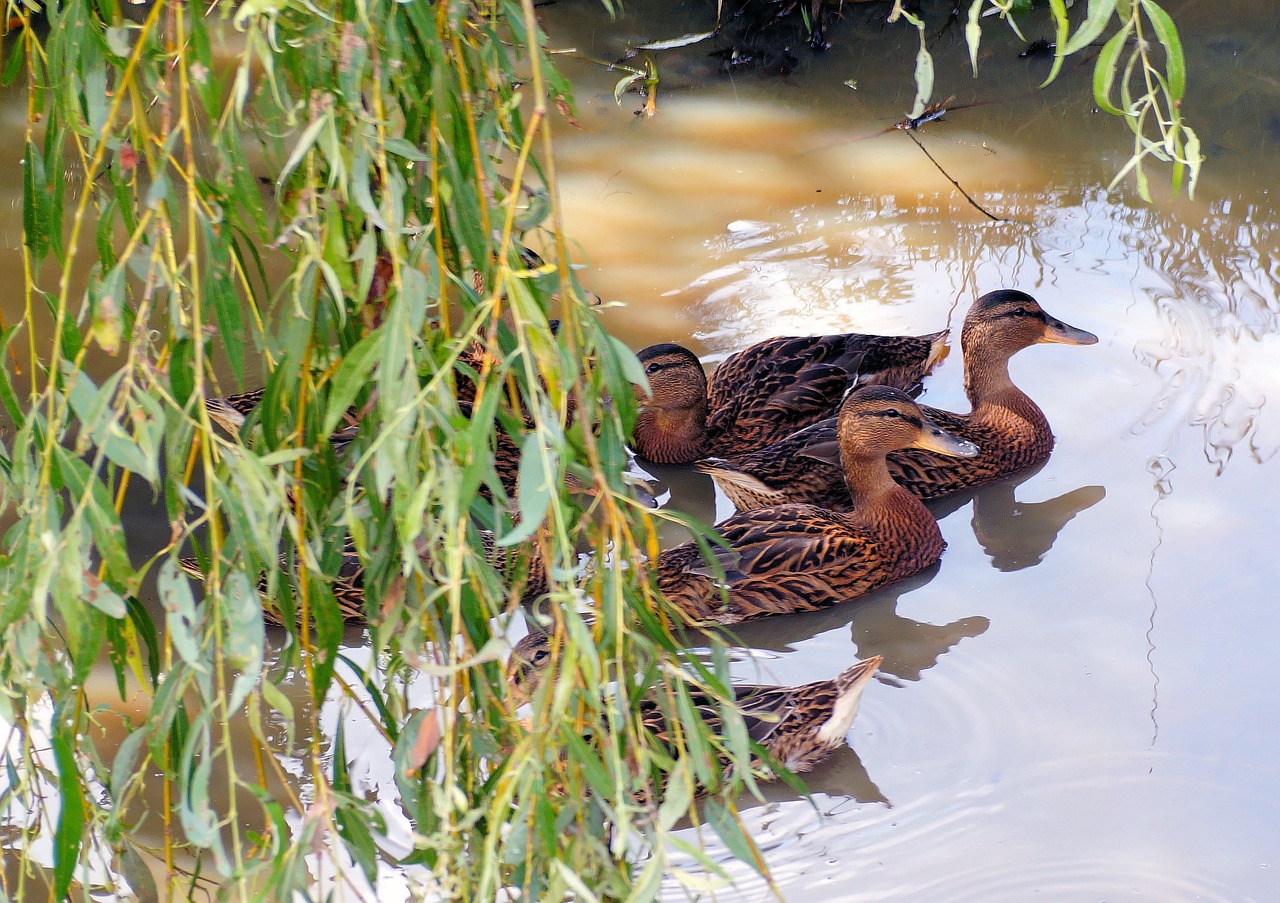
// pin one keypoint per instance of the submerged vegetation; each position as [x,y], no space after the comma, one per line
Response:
[352,204]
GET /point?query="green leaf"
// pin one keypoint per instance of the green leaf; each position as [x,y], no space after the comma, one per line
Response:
[535,488]
[973,33]
[36,217]
[69,833]
[402,148]
[108,535]
[1167,34]
[17,55]
[96,410]
[631,367]
[1193,157]
[1059,8]
[7,394]
[352,377]
[679,795]
[1096,20]
[242,611]
[180,615]
[728,825]
[924,75]
[305,142]
[1104,71]
[103,598]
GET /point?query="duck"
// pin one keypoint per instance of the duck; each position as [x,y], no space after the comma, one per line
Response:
[780,559]
[1009,428]
[797,726]
[767,391]
[526,578]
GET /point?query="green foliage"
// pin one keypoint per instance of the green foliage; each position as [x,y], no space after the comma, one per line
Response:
[332,201]
[1150,87]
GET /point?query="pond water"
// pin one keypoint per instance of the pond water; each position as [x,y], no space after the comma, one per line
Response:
[1080,702]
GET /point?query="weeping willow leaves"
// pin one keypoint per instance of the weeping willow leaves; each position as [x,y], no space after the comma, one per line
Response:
[1130,79]
[351,207]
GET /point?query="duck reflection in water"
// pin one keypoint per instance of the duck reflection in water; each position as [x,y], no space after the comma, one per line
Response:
[908,647]
[1014,534]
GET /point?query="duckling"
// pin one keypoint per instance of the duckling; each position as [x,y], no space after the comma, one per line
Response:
[787,558]
[1008,427]
[767,391]
[798,726]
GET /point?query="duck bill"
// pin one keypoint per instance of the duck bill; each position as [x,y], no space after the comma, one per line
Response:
[1058,333]
[935,439]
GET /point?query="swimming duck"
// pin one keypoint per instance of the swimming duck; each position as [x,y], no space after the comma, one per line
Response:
[767,391]
[1008,427]
[787,558]
[798,726]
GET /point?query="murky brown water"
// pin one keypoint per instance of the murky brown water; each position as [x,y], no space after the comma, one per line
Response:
[1081,701]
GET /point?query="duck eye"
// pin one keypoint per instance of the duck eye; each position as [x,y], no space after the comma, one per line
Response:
[1020,312]
[653,367]
[892,413]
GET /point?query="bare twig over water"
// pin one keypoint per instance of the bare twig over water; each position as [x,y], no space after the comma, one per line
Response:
[967,197]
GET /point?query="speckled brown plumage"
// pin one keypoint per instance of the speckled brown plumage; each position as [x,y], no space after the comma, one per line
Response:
[788,558]
[1010,430]
[798,726]
[767,391]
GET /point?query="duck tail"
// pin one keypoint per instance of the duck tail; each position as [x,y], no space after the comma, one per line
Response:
[192,567]
[937,349]
[224,413]
[849,685]
[745,491]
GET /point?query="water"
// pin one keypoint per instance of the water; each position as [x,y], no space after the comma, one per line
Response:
[1080,701]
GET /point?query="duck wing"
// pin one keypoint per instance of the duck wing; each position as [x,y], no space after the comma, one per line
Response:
[775,387]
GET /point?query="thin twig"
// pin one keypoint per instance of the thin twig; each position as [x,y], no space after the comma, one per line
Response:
[985,211]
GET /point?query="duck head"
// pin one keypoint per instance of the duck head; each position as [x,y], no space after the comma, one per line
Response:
[876,420]
[672,424]
[1007,320]
[529,658]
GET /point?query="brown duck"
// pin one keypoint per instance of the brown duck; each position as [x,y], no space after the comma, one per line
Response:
[787,558]
[797,726]
[1007,426]
[767,391]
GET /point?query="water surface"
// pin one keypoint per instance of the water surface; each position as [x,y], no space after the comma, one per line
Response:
[1080,701]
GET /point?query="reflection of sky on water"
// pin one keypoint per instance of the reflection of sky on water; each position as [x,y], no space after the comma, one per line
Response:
[1211,288]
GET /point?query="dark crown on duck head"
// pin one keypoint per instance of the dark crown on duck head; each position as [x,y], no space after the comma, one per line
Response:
[675,374]
[1007,307]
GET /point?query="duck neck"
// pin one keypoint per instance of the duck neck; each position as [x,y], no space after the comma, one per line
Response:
[882,506]
[991,391]
[672,435]
[867,477]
